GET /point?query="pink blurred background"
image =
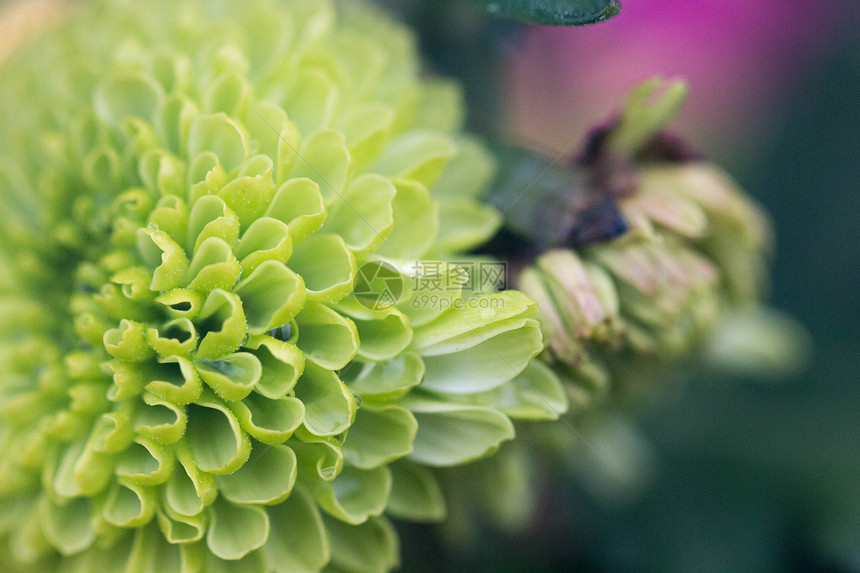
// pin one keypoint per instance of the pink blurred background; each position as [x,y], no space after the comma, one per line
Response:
[738,56]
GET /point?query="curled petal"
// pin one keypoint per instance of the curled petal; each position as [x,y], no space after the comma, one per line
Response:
[415,493]
[213,266]
[222,319]
[272,296]
[267,239]
[329,405]
[233,376]
[211,217]
[236,530]
[386,380]
[292,548]
[282,363]
[215,438]
[220,135]
[176,381]
[267,478]
[379,435]
[300,205]
[271,421]
[324,158]
[327,338]
[160,251]
[452,434]
[129,504]
[355,494]
[326,265]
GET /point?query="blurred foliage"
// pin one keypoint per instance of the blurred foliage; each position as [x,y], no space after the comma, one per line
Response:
[460,39]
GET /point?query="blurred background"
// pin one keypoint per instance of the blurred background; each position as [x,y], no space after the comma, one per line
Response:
[744,473]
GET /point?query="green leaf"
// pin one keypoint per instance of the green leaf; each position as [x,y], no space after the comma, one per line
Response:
[468,174]
[366,128]
[441,107]
[207,175]
[464,224]
[189,489]
[444,333]
[652,105]
[225,94]
[113,558]
[146,462]
[171,213]
[248,197]
[312,100]
[158,247]
[160,420]
[416,222]
[325,159]
[127,95]
[175,337]
[555,12]
[420,156]
[149,553]
[318,459]
[264,122]
[176,381]
[127,341]
[253,561]
[211,217]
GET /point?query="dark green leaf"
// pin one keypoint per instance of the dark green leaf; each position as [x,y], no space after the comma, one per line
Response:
[555,12]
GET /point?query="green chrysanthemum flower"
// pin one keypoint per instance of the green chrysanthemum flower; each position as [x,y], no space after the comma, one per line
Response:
[189,381]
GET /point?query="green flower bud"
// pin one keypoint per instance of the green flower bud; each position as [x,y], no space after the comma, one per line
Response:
[195,375]
[694,247]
